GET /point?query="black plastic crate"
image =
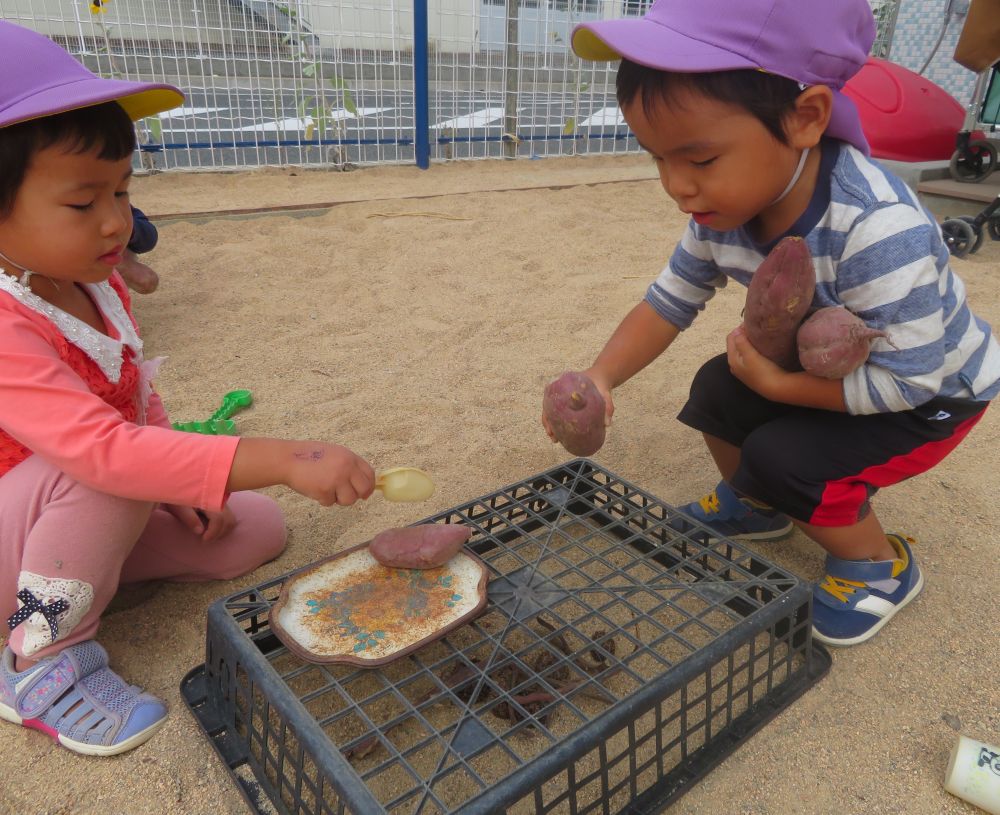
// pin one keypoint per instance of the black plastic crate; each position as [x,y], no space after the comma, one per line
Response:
[618,662]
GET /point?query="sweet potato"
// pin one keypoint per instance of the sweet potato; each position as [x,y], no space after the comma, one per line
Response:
[833,342]
[426,546]
[778,298]
[574,409]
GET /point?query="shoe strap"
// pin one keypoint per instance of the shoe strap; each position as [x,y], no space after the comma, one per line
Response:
[846,578]
[872,571]
[860,571]
[49,682]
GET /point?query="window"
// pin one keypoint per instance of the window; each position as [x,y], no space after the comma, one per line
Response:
[636,8]
[578,6]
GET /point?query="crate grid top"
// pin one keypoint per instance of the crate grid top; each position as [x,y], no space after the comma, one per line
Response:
[597,606]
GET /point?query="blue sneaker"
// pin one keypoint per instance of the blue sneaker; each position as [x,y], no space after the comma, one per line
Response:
[858,597]
[729,516]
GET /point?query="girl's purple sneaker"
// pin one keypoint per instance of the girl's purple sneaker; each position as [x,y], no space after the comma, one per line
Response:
[75,698]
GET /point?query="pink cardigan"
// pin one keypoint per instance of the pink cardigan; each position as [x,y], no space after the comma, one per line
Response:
[56,401]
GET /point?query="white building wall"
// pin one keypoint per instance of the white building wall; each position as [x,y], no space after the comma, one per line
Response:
[923,25]
[180,20]
[387,24]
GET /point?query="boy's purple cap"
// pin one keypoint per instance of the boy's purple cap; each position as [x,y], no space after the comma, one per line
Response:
[815,42]
[38,78]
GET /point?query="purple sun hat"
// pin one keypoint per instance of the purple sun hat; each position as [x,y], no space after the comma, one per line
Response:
[38,78]
[814,42]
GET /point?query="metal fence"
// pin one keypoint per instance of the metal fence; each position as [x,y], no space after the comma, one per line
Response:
[352,82]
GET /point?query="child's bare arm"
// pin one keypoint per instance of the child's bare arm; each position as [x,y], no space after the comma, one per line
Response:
[772,382]
[327,473]
[639,339]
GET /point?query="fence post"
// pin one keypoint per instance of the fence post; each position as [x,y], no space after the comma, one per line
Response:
[421,87]
[512,71]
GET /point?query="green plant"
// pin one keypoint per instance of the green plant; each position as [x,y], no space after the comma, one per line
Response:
[319,105]
[150,129]
[569,126]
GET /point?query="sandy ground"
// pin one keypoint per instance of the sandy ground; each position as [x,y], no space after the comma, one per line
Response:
[425,340]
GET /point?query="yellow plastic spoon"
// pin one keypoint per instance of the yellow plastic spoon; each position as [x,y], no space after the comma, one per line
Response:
[404,484]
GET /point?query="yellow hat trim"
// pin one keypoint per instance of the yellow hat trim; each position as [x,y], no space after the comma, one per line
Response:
[587,45]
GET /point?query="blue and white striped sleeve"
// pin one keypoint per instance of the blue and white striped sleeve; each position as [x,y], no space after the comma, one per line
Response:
[689,280]
[894,275]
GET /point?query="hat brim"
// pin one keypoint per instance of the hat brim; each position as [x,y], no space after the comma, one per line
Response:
[651,44]
[138,99]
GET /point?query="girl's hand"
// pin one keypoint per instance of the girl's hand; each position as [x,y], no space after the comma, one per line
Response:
[210,524]
[751,367]
[329,473]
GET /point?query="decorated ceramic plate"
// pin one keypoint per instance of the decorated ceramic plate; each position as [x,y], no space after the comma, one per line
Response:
[349,608]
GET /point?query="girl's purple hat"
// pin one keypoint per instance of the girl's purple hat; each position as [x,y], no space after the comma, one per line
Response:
[38,78]
[814,42]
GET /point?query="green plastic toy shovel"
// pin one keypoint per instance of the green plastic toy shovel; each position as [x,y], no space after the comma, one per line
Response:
[219,423]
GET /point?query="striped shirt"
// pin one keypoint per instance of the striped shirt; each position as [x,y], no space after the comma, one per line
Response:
[878,252]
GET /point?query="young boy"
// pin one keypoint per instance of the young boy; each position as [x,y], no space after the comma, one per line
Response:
[136,274]
[739,104]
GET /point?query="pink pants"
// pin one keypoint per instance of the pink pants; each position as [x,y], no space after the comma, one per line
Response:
[66,542]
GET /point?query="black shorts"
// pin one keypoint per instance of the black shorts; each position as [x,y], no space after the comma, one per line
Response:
[821,466]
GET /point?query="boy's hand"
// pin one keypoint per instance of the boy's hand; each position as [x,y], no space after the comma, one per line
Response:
[751,367]
[329,473]
[602,387]
[772,382]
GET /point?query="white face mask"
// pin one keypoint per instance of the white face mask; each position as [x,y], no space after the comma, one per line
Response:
[795,177]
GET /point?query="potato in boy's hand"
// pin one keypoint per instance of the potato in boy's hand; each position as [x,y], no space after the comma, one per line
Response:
[574,410]
[833,342]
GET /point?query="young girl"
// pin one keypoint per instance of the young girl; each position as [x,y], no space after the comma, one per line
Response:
[96,489]
[739,104]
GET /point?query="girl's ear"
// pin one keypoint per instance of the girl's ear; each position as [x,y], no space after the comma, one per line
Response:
[807,123]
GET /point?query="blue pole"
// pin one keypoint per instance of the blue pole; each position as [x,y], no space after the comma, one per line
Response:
[421,87]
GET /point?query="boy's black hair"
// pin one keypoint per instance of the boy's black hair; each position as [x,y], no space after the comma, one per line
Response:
[768,97]
[106,128]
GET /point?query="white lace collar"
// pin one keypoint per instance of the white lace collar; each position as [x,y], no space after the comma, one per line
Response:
[104,350]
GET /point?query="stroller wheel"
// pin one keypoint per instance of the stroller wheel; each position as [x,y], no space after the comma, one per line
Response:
[993,225]
[959,237]
[976,230]
[974,163]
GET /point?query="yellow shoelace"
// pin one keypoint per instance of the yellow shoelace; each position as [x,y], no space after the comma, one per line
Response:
[840,588]
[709,503]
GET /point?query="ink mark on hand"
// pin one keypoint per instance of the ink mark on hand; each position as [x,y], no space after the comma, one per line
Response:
[312,455]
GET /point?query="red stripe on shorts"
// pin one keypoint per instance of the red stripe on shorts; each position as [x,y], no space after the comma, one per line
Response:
[843,499]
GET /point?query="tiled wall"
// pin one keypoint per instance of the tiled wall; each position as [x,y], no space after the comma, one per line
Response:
[918,26]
